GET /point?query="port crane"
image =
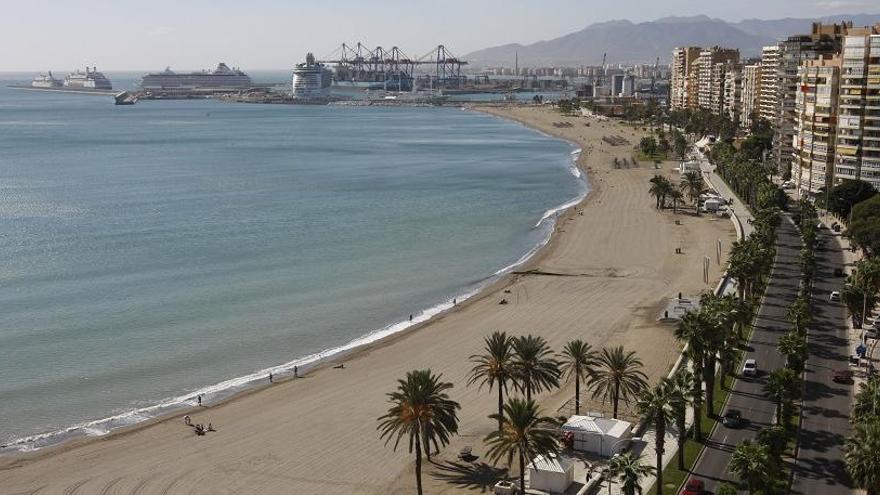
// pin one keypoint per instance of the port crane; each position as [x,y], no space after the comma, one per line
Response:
[358,63]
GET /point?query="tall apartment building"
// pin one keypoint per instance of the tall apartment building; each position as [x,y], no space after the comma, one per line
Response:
[823,40]
[683,77]
[768,100]
[712,64]
[815,124]
[733,83]
[751,94]
[857,153]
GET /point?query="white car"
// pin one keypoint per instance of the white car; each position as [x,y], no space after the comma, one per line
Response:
[835,296]
[750,367]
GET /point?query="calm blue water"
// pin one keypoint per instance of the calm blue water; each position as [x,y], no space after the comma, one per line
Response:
[151,251]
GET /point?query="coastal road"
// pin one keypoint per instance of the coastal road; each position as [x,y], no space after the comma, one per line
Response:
[820,467]
[748,395]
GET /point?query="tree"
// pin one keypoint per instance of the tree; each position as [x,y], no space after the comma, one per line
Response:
[725,489]
[577,361]
[422,411]
[692,184]
[775,438]
[655,404]
[751,463]
[648,145]
[845,195]
[525,433]
[679,145]
[862,461]
[782,386]
[677,197]
[660,188]
[866,405]
[794,347]
[533,365]
[619,375]
[682,396]
[628,470]
[494,366]
[692,330]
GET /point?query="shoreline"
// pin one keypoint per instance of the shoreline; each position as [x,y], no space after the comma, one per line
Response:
[613,251]
[245,385]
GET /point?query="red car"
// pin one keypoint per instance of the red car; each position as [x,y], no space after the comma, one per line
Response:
[694,487]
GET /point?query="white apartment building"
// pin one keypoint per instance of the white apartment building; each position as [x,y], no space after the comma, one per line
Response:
[751,94]
[815,125]
[857,154]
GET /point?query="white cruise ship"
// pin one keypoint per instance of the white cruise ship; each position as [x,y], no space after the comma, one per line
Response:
[46,81]
[90,79]
[311,80]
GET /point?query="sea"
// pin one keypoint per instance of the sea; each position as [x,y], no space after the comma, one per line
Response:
[156,252]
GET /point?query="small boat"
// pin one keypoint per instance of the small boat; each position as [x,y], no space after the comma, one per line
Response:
[126,98]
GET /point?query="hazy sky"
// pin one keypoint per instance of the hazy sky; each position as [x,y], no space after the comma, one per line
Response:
[273,34]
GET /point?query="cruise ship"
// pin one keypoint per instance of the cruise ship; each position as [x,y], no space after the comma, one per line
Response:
[311,80]
[46,81]
[221,80]
[88,80]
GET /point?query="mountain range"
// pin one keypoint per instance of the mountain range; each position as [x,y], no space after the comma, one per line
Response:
[628,42]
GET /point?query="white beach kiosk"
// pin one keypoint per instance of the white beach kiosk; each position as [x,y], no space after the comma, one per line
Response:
[551,473]
[602,436]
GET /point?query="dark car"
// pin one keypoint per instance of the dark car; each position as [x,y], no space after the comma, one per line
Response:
[732,418]
[838,272]
[842,376]
[694,487]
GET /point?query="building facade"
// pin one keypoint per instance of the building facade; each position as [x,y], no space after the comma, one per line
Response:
[815,124]
[751,94]
[712,65]
[733,80]
[857,155]
[683,78]
[768,101]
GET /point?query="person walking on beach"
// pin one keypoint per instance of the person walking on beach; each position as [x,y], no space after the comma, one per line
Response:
[187,421]
[295,372]
[199,398]
[270,377]
[410,317]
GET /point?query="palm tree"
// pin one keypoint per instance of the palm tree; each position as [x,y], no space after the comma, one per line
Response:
[421,410]
[862,461]
[751,463]
[682,391]
[577,361]
[619,376]
[658,189]
[628,470]
[692,330]
[655,404]
[525,433]
[867,401]
[495,366]
[533,365]
[692,184]
[794,347]
[677,197]
[782,386]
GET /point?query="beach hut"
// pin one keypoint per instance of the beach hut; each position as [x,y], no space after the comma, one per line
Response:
[551,473]
[602,436]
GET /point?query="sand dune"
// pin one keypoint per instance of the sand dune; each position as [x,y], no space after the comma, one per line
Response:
[605,278]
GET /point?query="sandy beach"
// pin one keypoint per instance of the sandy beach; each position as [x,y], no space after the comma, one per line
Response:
[605,277]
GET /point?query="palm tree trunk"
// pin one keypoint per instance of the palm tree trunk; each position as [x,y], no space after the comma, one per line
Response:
[419,464]
[522,473]
[698,411]
[682,438]
[577,394]
[661,437]
[500,405]
[616,398]
[709,378]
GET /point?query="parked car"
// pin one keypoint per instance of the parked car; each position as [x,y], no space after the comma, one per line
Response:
[750,367]
[732,418]
[838,272]
[694,487]
[835,296]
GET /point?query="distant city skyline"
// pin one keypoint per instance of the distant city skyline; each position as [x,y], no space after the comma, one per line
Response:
[273,34]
